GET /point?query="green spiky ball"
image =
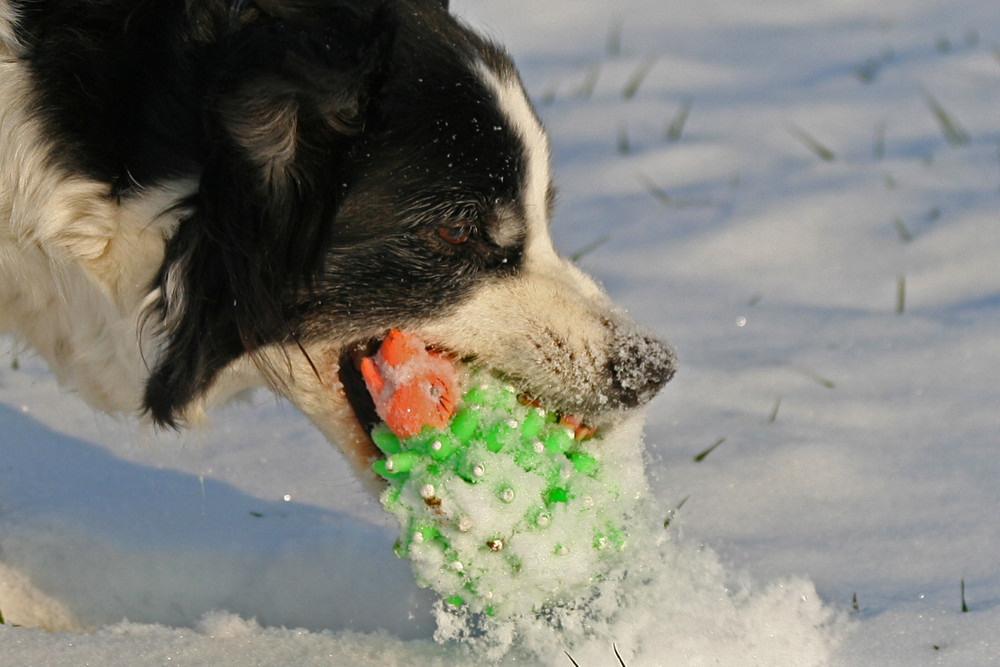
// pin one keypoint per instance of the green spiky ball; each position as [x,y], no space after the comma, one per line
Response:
[505,509]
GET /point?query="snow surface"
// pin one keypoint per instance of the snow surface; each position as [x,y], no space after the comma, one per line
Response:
[857,455]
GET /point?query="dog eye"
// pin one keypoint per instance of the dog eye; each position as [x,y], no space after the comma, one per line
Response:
[455,234]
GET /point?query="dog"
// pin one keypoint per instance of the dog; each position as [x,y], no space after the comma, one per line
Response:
[202,197]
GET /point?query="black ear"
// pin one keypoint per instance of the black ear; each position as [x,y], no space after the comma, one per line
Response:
[289,95]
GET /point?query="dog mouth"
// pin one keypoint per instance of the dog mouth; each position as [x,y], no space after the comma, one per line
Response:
[362,403]
[353,383]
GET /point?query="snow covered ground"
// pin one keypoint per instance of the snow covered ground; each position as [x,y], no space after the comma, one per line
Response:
[803,198]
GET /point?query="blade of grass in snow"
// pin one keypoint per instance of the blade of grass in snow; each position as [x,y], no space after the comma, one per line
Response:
[998,151]
[854,603]
[589,248]
[701,457]
[867,71]
[623,147]
[586,88]
[638,76]
[900,295]
[618,655]
[878,145]
[614,43]
[821,151]
[673,512]
[965,607]
[575,663]
[549,95]
[904,233]
[654,189]
[817,378]
[954,134]
[774,411]
[676,126]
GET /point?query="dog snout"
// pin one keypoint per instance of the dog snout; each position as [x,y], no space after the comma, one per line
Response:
[639,365]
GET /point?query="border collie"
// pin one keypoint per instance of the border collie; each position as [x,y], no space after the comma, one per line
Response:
[202,196]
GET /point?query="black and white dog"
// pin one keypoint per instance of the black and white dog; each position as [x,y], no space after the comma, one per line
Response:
[202,196]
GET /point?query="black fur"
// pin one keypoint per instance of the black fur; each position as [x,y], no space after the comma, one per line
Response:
[331,142]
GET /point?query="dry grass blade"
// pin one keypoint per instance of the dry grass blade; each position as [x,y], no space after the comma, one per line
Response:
[589,248]
[654,189]
[676,126]
[821,151]
[549,95]
[586,88]
[623,145]
[817,378]
[672,513]
[618,655]
[904,233]
[614,43]
[954,134]
[638,76]
[575,663]
[878,145]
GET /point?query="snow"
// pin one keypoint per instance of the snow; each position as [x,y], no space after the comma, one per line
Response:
[857,442]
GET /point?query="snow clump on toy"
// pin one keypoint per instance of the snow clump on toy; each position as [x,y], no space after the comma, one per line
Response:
[503,506]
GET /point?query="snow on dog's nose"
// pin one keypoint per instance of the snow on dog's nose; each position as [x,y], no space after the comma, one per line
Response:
[639,366]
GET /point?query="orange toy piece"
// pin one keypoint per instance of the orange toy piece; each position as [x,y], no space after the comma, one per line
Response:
[412,386]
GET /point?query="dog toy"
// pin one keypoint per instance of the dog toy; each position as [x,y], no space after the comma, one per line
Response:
[502,505]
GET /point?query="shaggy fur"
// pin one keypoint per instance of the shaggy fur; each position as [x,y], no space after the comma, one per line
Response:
[202,196]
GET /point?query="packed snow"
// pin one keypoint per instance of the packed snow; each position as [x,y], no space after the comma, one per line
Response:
[803,198]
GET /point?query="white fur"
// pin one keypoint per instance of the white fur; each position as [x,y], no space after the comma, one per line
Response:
[75,265]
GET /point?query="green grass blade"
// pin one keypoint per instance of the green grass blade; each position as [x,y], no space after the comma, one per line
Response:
[673,512]
[586,88]
[676,126]
[589,248]
[878,144]
[614,43]
[821,151]
[623,145]
[817,378]
[774,411]
[654,189]
[904,233]
[953,133]
[701,457]
[638,76]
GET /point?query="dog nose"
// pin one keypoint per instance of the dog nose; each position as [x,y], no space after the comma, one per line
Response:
[639,366]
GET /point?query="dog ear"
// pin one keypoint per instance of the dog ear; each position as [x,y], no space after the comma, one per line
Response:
[289,96]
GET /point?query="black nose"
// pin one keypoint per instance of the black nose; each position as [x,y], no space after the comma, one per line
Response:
[639,366]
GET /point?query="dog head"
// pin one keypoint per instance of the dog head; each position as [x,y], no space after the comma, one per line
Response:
[374,166]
